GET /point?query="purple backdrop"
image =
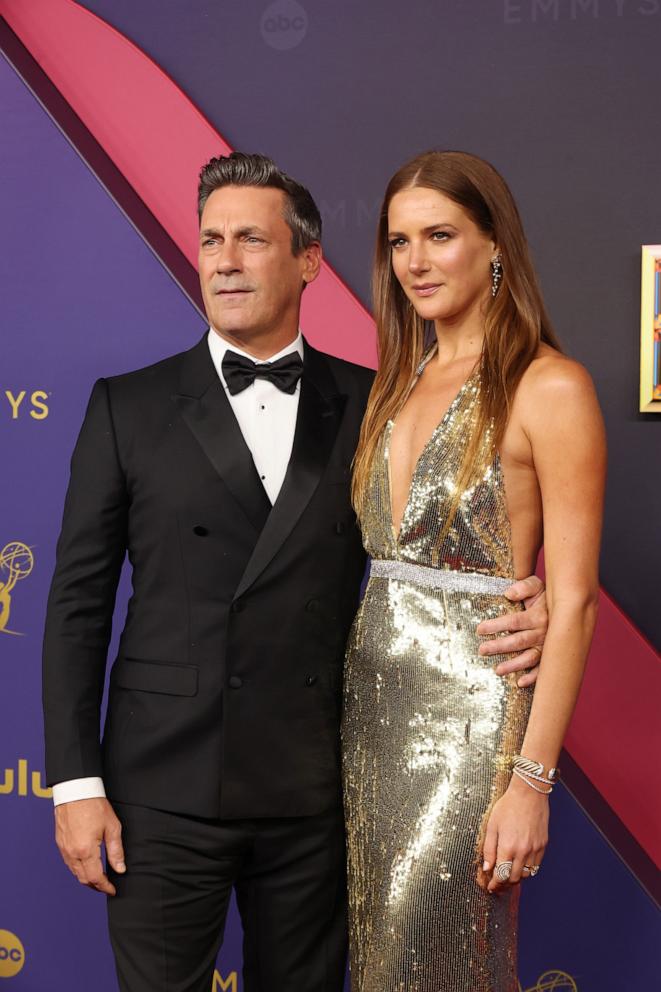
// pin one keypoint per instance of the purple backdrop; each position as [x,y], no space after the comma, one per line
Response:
[82,296]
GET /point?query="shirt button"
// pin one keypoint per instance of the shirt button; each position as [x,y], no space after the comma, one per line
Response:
[236,607]
[200,531]
[235,682]
[312,606]
[311,679]
[340,527]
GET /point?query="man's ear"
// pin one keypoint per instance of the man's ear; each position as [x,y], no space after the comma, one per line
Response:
[311,262]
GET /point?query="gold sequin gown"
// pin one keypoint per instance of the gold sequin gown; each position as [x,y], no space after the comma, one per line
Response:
[428,727]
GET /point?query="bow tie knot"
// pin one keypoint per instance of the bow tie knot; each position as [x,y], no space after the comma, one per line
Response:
[240,372]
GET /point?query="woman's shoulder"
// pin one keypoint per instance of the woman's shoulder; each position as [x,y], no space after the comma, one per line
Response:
[555,398]
[554,376]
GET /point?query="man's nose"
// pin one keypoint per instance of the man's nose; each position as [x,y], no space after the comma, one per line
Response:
[228,258]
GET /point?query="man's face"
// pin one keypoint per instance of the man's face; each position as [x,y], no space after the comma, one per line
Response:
[251,281]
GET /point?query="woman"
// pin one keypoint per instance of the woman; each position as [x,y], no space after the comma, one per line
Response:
[479,438]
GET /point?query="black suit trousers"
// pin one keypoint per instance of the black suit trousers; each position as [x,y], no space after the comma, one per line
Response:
[168,917]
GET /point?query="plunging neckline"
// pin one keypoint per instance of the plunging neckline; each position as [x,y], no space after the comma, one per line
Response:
[396,533]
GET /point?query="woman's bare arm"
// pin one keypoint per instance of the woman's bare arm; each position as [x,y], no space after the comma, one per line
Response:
[564,424]
[560,415]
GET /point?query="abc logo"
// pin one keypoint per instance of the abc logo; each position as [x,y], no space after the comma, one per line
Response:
[284,24]
[12,954]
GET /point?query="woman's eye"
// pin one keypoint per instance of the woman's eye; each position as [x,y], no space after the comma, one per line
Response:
[396,242]
[440,235]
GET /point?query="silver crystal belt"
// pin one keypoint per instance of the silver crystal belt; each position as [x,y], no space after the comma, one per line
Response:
[438,578]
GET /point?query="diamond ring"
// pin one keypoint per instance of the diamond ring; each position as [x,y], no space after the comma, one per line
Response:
[503,871]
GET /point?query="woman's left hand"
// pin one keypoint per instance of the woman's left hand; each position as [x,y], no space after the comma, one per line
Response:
[517,831]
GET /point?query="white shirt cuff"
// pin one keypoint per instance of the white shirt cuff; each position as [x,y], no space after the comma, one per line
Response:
[78,788]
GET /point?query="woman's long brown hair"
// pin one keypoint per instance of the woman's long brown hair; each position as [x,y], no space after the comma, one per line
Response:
[515,320]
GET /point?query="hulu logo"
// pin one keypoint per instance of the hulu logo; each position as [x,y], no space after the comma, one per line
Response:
[21,782]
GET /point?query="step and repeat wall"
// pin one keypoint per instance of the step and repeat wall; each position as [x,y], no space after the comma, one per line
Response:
[81,295]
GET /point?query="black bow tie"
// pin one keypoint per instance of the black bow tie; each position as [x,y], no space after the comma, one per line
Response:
[240,372]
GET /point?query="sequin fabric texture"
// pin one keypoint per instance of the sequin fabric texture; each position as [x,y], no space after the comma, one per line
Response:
[427,729]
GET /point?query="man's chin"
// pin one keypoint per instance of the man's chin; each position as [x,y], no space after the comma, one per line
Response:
[230,316]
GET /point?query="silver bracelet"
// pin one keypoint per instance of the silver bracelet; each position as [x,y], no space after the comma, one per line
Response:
[525,778]
[536,769]
[537,778]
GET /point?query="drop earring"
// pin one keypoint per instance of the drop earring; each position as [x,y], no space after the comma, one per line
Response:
[496,273]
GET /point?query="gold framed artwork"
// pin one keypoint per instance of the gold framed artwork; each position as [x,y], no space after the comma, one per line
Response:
[650,330]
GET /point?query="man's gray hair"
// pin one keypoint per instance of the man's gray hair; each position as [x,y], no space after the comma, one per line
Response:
[241,169]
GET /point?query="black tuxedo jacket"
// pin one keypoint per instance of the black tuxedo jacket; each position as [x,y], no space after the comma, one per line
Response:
[225,696]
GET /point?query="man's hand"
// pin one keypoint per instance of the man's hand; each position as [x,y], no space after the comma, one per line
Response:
[526,631]
[80,829]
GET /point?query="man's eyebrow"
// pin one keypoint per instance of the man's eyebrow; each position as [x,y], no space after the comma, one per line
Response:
[242,232]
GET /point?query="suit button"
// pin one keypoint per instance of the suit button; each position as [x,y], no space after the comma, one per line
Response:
[340,527]
[311,679]
[200,531]
[235,682]
[236,607]
[312,606]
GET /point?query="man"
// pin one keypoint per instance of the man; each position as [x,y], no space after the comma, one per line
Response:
[228,483]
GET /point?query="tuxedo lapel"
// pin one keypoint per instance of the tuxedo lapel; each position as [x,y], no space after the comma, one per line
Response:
[320,411]
[203,405]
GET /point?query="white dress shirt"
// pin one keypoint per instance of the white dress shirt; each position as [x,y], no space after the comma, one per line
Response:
[266,415]
[267,418]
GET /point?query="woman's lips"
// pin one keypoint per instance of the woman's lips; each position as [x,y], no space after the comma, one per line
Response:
[426,290]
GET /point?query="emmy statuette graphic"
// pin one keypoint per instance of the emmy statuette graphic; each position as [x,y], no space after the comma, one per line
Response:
[16,563]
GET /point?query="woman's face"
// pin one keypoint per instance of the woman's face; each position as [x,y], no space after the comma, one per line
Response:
[439,255]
